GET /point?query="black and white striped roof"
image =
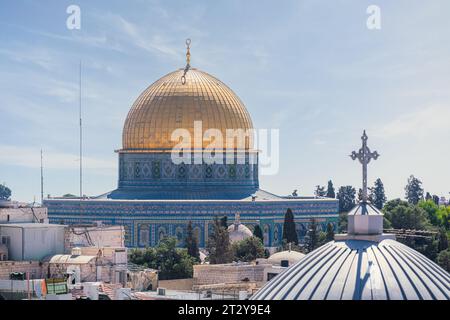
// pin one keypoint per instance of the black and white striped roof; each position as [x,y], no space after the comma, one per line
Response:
[360,270]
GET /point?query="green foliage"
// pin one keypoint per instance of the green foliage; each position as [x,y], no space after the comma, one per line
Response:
[289,232]
[377,194]
[191,243]
[431,209]
[5,192]
[443,216]
[386,223]
[410,217]
[346,197]
[329,236]
[414,190]
[320,191]
[442,240]
[312,237]
[224,222]
[257,232]
[330,190]
[443,259]
[343,222]
[172,262]
[389,207]
[218,244]
[248,249]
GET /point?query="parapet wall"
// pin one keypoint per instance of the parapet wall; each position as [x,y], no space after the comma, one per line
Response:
[228,273]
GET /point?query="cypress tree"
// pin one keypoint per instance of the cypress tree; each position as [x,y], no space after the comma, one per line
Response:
[219,244]
[346,197]
[257,232]
[289,232]
[312,238]
[224,222]
[414,190]
[330,190]
[330,232]
[191,242]
[378,197]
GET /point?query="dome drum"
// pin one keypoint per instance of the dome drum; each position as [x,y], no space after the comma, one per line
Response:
[155,176]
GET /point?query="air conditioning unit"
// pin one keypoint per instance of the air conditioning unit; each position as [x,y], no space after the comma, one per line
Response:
[161,291]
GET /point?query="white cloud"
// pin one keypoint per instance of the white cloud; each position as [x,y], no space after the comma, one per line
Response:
[29,157]
[421,123]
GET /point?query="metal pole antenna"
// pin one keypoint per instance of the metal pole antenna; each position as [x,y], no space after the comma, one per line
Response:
[81,140]
[42,180]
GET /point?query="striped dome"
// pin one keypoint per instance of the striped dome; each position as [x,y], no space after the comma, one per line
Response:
[360,270]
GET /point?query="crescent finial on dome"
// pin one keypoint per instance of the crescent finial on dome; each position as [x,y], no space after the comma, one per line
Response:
[188,60]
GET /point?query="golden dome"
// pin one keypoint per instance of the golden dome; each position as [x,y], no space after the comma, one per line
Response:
[167,105]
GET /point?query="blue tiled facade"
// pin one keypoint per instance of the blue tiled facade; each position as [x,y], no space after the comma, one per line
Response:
[147,221]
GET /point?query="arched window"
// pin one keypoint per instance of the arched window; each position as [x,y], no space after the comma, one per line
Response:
[144,235]
[161,233]
[198,234]
[276,233]
[266,235]
[179,234]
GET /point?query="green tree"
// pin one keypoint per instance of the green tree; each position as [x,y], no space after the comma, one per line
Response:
[346,197]
[224,221]
[330,232]
[414,190]
[172,262]
[257,232]
[248,249]
[289,232]
[391,205]
[360,195]
[443,259]
[343,221]
[218,244]
[428,196]
[191,242]
[443,216]
[377,195]
[436,199]
[330,190]
[320,191]
[432,211]
[411,217]
[5,192]
[312,236]
[443,240]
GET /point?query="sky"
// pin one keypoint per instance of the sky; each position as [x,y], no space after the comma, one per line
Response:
[311,69]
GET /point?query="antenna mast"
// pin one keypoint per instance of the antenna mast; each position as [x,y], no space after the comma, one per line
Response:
[81,139]
[42,180]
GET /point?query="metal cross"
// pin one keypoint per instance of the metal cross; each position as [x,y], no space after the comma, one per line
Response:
[364,156]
